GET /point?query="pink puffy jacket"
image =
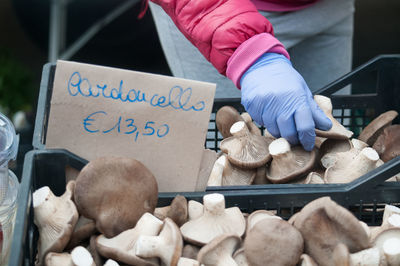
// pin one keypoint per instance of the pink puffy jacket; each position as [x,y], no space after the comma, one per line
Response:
[231,34]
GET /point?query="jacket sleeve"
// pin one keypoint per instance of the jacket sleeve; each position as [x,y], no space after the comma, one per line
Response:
[219,27]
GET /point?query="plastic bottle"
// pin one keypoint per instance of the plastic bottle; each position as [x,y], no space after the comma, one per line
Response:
[8,186]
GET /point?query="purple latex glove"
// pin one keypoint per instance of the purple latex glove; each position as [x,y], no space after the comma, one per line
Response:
[277,97]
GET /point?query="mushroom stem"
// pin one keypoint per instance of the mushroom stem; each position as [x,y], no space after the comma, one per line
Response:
[389,210]
[148,246]
[391,250]
[215,178]
[81,257]
[367,257]
[214,204]
[239,129]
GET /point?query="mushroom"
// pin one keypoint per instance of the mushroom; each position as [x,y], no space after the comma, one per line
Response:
[358,144]
[226,174]
[190,251]
[107,182]
[371,132]
[311,178]
[363,162]
[195,209]
[250,125]
[367,257]
[98,259]
[268,238]
[240,257]
[319,141]
[391,221]
[388,242]
[79,257]
[111,262]
[388,143]
[215,221]
[257,216]
[329,149]
[83,230]
[55,218]
[219,251]
[306,260]
[261,176]
[188,262]
[288,163]
[177,211]
[337,131]
[324,224]
[225,117]
[121,247]
[244,149]
[167,245]
[207,162]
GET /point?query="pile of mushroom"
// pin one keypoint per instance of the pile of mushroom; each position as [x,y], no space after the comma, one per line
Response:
[249,158]
[194,233]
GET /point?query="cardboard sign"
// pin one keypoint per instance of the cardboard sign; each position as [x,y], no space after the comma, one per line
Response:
[161,121]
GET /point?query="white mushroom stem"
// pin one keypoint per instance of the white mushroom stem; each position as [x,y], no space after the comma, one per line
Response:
[215,178]
[81,257]
[214,204]
[111,262]
[187,262]
[366,257]
[280,152]
[389,210]
[359,144]
[391,250]
[239,129]
[367,158]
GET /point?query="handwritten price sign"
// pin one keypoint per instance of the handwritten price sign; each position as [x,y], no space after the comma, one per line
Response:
[161,121]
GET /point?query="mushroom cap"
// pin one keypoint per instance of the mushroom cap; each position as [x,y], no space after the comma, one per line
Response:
[388,143]
[306,260]
[215,221]
[324,224]
[219,251]
[107,182]
[121,247]
[240,257]
[225,117]
[371,132]
[190,251]
[337,131]
[250,125]
[348,170]
[179,210]
[257,216]
[55,218]
[288,163]
[244,149]
[330,147]
[83,230]
[167,245]
[311,178]
[268,239]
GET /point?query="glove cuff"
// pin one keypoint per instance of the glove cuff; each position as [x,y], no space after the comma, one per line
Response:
[249,51]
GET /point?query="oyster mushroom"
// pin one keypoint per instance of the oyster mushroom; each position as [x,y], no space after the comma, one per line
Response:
[240,257]
[98,259]
[257,216]
[55,218]
[261,176]
[83,230]
[311,178]
[306,260]
[371,132]
[388,242]
[288,163]
[115,181]
[250,125]
[215,221]
[324,224]
[219,251]
[190,251]
[167,245]
[337,131]
[330,148]
[366,257]
[195,209]
[111,262]
[177,211]
[358,144]
[268,238]
[363,162]
[388,143]
[226,174]
[225,117]
[244,149]
[79,257]
[121,247]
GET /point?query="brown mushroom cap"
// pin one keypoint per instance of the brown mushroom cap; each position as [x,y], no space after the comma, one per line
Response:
[177,211]
[388,143]
[257,216]
[121,247]
[226,174]
[107,182]
[371,132]
[363,162]
[219,251]
[268,239]
[288,163]
[225,117]
[250,125]
[55,218]
[324,224]
[337,131]
[244,149]
[167,245]
[215,221]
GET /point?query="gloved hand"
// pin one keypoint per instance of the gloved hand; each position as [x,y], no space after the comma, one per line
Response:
[277,97]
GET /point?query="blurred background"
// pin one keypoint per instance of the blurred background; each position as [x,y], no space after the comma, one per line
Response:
[121,40]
